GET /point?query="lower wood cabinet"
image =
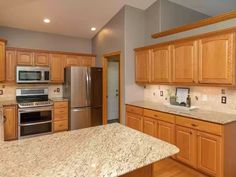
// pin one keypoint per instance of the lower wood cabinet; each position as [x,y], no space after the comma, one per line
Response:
[150,126]
[166,132]
[134,121]
[10,122]
[186,141]
[60,116]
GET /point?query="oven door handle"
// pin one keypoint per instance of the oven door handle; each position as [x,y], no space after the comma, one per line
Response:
[38,123]
[25,110]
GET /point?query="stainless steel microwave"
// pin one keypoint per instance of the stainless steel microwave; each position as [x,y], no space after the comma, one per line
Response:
[28,74]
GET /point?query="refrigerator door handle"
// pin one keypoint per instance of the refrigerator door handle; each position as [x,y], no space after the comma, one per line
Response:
[80,109]
[87,80]
[89,86]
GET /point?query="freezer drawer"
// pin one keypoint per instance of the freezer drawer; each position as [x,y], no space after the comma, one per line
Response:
[80,118]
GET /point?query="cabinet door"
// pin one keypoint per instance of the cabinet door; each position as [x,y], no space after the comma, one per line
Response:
[160,65]
[72,60]
[166,132]
[216,59]
[134,121]
[142,66]
[41,59]
[186,141]
[87,61]
[10,66]
[10,123]
[57,63]
[25,58]
[184,58]
[2,61]
[209,153]
[150,126]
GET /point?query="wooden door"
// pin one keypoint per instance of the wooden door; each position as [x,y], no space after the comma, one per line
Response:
[134,121]
[166,132]
[216,59]
[41,59]
[150,126]
[10,66]
[161,65]
[2,61]
[10,123]
[72,60]
[184,60]
[57,63]
[25,58]
[142,66]
[209,154]
[186,141]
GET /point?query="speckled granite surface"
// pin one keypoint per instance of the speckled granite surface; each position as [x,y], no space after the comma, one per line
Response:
[210,116]
[104,151]
[7,103]
[58,99]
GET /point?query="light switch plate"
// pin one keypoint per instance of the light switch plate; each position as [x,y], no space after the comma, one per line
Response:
[1,92]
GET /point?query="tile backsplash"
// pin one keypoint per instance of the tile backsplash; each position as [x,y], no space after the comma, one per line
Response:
[208,98]
[9,91]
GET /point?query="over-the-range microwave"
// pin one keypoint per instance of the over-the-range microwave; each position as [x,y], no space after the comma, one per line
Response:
[30,75]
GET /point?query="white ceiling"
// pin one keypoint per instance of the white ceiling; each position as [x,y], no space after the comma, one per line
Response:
[68,17]
[208,7]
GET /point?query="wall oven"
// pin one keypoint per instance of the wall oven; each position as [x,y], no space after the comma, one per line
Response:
[28,74]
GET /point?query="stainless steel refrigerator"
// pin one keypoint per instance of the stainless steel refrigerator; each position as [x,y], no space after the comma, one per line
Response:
[83,89]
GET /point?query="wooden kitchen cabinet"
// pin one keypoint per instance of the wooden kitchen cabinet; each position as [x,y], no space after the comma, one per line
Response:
[166,132]
[209,153]
[60,116]
[87,61]
[134,121]
[216,59]
[10,123]
[142,66]
[41,59]
[2,61]
[161,65]
[150,126]
[10,66]
[25,58]
[72,60]
[186,141]
[184,62]
[57,64]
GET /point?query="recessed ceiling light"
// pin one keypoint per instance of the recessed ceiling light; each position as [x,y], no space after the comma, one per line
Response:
[46,20]
[93,29]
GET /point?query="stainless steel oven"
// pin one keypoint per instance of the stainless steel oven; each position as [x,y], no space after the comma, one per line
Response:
[35,121]
[28,74]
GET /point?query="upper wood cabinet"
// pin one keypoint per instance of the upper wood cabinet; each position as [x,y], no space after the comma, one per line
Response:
[209,153]
[142,66]
[10,65]
[217,59]
[57,64]
[186,141]
[2,61]
[184,62]
[41,59]
[72,60]
[25,58]
[160,65]
[87,61]
[10,123]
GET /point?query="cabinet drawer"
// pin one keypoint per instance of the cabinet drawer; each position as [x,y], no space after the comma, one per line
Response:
[59,105]
[61,125]
[135,110]
[159,115]
[60,114]
[199,125]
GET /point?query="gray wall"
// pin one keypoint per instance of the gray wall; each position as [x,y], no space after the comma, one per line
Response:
[164,15]
[38,40]
[134,37]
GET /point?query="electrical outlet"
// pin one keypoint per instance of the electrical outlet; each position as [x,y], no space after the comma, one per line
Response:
[161,93]
[223,99]
[58,90]
[1,92]
[154,94]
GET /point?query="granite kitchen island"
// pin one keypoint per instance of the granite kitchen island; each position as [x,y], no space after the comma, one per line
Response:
[104,151]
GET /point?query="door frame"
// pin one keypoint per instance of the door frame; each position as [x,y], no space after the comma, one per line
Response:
[105,59]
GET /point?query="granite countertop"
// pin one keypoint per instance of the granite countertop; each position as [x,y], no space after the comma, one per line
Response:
[104,151]
[58,99]
[7,103]
[209,116]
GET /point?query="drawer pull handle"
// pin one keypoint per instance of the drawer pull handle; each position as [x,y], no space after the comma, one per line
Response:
[194,125]
[155,115]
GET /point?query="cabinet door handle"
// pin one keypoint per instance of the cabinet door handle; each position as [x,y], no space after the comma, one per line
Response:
[194,125]
[4,119]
